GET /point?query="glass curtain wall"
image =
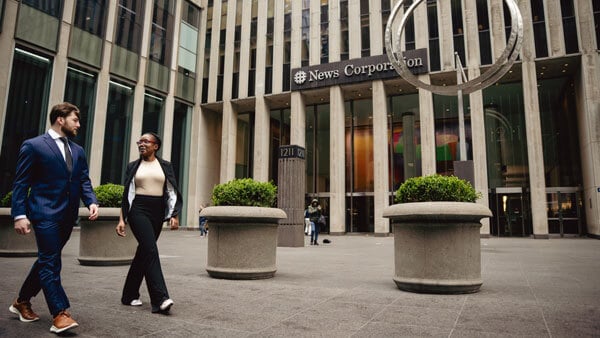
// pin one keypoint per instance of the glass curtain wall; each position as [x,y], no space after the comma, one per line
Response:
[80,90]
[153,113]
[318,157]
[507,162]
[180,148]
[117,133]
[404,139]
[447,146]
[280,136]
[317,150]
[359,166]
[244,145]
[562,163]
[26,109]
[90,16]
[128,32]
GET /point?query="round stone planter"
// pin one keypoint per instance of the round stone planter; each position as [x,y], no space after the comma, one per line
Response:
[99,244]
[242,241]
[437,246]
[11,243]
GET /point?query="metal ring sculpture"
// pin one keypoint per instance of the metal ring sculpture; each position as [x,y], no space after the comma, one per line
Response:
[490,76]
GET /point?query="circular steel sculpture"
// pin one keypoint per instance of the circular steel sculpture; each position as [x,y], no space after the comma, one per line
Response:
[490,76]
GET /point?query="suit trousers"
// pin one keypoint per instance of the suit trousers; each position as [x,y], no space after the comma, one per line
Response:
[44,275]
[145,220]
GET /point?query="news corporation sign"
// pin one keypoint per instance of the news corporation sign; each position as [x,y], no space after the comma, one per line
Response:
[357,70]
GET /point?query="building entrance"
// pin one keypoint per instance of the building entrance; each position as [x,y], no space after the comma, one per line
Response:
[510,206]
[565,208]
[359,212]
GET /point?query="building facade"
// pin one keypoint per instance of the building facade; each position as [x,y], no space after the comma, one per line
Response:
[228,82]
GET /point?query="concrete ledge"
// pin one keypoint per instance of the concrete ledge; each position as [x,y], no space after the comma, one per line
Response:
[543,236]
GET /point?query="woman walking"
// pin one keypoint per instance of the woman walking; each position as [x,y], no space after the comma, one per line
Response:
[150,198]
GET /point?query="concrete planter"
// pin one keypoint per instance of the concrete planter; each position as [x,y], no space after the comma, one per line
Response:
[242,241]
[437,246]
[99,244]
[11,243]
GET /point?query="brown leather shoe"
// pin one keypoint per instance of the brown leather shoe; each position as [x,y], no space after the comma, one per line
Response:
[63,322]
[23,309]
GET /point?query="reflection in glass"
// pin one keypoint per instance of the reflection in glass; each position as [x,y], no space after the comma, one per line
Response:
[279,136]
[447,143]
[506,143]
[25,110]
[117,133]
[80,90]
[404,135]
[153,113]
[317,149]
[244,145]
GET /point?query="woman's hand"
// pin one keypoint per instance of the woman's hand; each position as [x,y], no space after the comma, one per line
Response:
[120,229]
[174,223]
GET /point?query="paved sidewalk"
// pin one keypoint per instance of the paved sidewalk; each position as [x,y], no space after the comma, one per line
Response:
[531,288]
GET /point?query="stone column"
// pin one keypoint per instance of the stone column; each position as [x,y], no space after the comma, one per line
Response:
[101,102]
[261,140]
[535,151]
[60,62]
[337,163]
[7,49]
[428,161]
[381,158]
[291,189]
[298,120]
[228,142]
[137,116]
[588,117]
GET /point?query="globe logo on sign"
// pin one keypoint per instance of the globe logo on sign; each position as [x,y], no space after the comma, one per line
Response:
[300,77]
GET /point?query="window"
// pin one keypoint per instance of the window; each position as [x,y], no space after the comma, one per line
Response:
[90,16]
[50,7]
[130,18]
[539,28]
[457,29]
[569,26]
[188,47]
[364,22]
[434,36]
[160,39]
[483,25]
[279,136]
[409,29]
[80,89]
[153,113]
[26,109]
[117,133]
[344,34]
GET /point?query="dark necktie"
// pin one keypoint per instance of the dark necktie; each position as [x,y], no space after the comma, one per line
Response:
[68,156]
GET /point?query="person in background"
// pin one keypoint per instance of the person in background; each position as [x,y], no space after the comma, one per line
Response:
[202,223]
[52,176]
[314,213]
[150,198]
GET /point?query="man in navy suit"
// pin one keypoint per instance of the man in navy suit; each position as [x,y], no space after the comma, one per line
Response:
[51,177]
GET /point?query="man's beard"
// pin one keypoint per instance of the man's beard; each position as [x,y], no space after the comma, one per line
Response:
[68,132]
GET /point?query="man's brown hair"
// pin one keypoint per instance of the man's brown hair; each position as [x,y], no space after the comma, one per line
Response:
[63,110]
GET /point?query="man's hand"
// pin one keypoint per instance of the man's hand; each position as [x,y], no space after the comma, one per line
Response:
[22,226]
[93,211]
[121,229]
[174,223]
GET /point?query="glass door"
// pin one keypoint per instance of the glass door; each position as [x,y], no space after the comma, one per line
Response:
[565,207]
[511,213]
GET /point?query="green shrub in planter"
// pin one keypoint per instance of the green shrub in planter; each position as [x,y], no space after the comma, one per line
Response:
[6,200]
[109,195]
[436,188]
[245,192]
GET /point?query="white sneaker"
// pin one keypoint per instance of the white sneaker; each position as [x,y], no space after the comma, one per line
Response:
[136,302]
[166,305]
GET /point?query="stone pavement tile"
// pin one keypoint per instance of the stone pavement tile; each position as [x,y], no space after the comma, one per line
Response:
[368,295]
[357,313]
[385,329]
[573,320]
[429,300]
[310,324]
[467,333]
[518,319]
[419,316]
[197,330]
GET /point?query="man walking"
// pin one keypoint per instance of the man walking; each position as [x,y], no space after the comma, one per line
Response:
[51,177]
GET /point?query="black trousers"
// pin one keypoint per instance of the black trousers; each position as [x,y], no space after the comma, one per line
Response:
[145,220]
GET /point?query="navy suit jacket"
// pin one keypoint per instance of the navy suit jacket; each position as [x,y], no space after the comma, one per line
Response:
[55,193]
